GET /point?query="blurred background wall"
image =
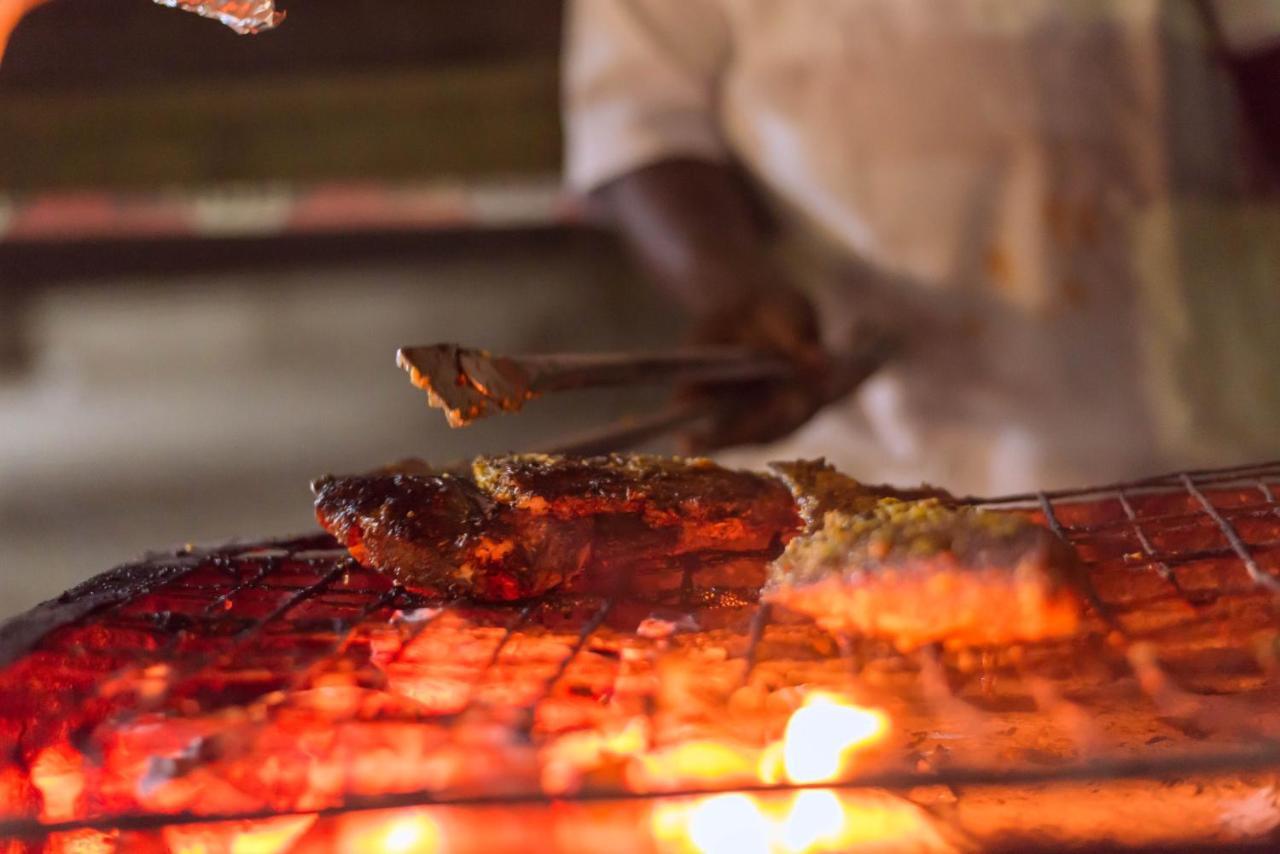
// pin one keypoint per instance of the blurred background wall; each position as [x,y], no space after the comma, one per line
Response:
[210,246]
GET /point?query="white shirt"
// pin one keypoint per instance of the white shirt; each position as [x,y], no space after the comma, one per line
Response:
[998,163]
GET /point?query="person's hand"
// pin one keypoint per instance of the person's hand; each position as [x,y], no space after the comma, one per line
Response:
[779,320]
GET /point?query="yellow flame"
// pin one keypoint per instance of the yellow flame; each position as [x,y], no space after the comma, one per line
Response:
[272,835]
[264,836]
[57,774]
[807,822]
[816,816]
[79,842]
[729,824]
[704,760]
[815,821]
[408,831]
[817,745]
[822,733]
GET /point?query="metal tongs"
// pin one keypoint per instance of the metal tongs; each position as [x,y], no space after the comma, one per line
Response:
[469,384]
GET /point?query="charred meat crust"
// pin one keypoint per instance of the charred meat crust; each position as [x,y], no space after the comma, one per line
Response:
[442,533]
[708,507]
[528,523]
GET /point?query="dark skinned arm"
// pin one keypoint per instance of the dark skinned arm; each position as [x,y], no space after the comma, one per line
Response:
[1257,79]
[693,225]
[1256,75]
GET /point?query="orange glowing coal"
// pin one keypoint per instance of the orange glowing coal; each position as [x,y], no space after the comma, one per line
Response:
[58,775]
[265,836]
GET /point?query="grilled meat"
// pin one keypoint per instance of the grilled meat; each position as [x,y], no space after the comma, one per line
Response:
[857,560]
[819,489]
[442,533]
[528,523]
[694,503]
[920,572]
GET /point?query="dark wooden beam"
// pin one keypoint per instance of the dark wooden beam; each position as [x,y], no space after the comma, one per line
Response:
[104,44]
[374,125]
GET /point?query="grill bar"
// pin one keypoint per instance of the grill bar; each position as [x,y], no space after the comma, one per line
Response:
[584,635]
[1203,477]
[1259,577]
[1149,553]
[1255,758]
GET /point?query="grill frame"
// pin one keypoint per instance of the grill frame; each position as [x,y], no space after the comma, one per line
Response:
[109,593]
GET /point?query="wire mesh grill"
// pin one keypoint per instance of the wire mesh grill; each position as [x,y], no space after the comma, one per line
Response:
[249,681]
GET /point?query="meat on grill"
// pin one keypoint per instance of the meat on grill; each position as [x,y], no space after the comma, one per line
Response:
[526,523]
[690,505]
[858,559]
[920,572]
[818,488]
[442,533]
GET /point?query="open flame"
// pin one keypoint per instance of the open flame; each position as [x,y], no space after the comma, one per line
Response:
[823,733]
[407,831]
[264,836]
[57,774]
[808,822]
[818,745]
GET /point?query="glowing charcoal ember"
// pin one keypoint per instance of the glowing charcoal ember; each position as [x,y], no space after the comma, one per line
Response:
[58,774]
[264,836]
[565,761]
[693,763]
[80,842]
[243,16]
[16,795]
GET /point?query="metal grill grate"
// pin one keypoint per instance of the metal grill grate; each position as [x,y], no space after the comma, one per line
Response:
[171,685]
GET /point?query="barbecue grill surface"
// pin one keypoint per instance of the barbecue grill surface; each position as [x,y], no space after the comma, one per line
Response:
[281,679]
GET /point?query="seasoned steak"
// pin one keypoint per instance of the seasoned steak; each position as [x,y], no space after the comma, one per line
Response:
[441,533]
[858,560]
[919,572]
[818,488]
[698,504]
[529,523]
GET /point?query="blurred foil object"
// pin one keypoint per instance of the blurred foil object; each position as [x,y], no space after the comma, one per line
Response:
[243,16]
